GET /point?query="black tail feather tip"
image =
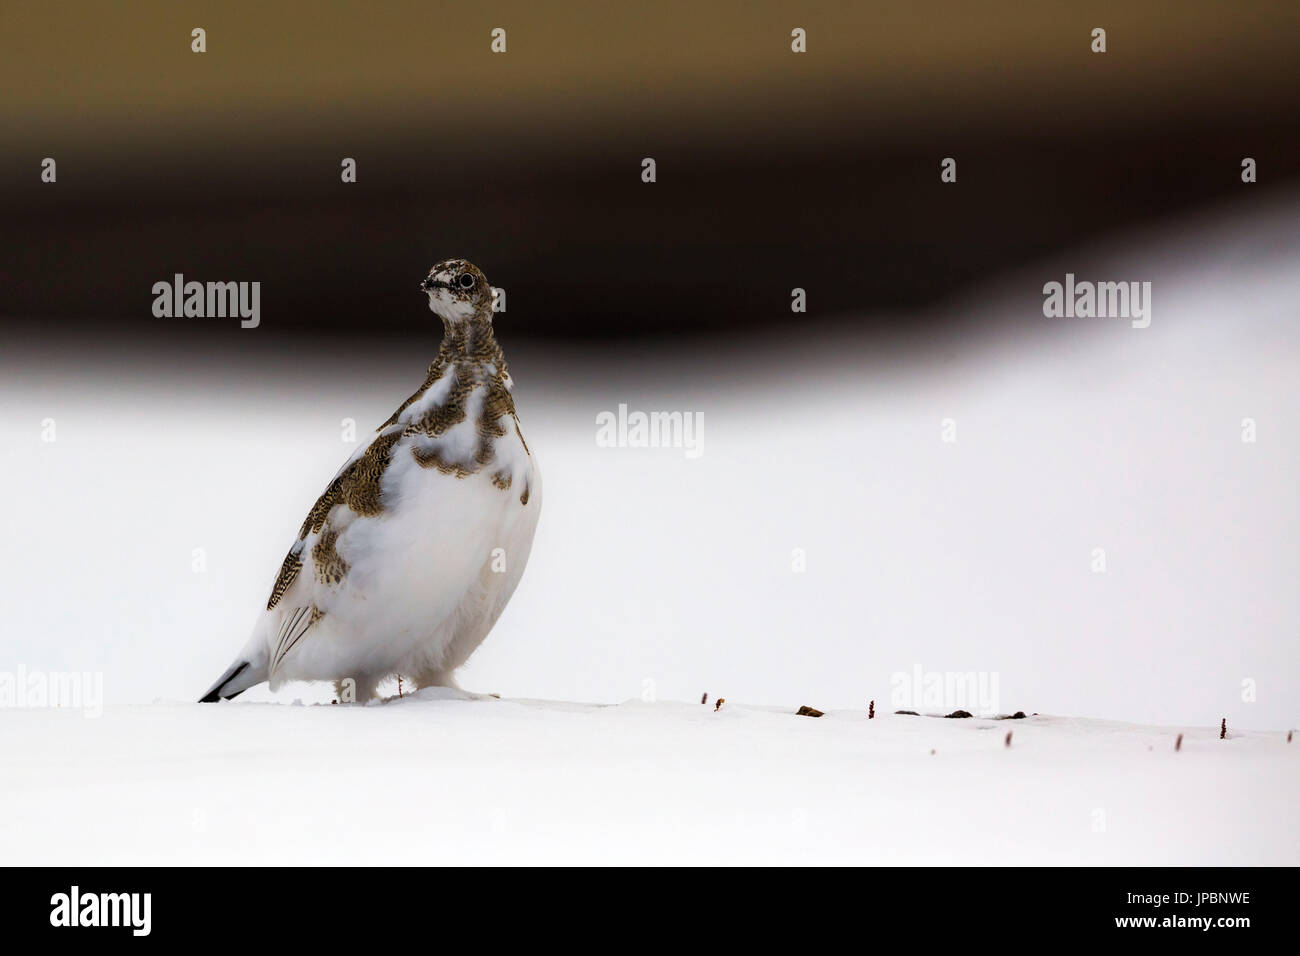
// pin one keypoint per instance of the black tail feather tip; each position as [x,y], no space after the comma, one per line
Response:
[214,695]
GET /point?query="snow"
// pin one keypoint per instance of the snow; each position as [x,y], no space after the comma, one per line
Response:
[436,778]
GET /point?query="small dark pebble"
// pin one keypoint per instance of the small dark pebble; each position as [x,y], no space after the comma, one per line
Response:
[958,713]
[910,713]
[806,711]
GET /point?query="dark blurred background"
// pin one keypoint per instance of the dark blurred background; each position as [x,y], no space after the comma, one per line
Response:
[775,170]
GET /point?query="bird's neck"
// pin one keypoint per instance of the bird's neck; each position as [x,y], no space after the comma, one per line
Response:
[469,338]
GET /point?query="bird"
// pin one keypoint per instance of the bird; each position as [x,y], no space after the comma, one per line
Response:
[410,555]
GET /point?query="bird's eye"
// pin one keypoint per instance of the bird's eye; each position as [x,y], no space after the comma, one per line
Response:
[467,281]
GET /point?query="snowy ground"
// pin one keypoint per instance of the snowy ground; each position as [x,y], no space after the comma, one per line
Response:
[434,780]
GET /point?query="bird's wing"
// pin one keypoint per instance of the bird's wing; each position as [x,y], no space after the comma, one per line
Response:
[293,625]
[356,489]
[299,601]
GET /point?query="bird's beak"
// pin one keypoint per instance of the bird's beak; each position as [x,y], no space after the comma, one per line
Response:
[427,284]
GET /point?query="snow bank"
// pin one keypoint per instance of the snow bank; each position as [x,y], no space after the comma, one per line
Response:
[439,779]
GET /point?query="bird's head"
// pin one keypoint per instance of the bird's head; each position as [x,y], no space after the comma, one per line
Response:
[458,291]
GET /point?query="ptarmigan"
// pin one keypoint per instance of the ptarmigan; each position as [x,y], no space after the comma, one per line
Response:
[410,555]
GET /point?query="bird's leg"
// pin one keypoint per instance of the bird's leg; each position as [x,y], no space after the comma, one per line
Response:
[435,678]
[355,690]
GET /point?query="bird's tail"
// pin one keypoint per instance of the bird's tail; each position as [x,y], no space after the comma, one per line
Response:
[240,676]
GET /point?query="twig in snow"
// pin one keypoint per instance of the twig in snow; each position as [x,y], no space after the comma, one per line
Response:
[1223,728]
[718,706]
[1008,740]
[704,699]
[871,711]
[1178,744]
